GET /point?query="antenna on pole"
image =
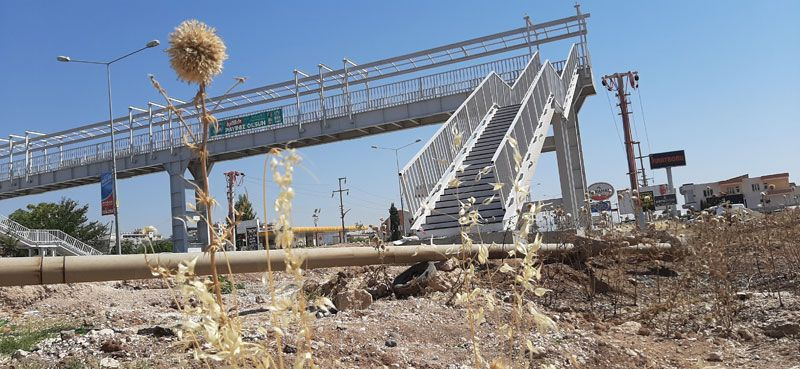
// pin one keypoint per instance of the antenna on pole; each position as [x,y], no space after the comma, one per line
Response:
[617,82]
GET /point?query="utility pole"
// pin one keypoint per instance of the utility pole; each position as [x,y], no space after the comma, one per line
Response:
[641,163]
[316,219]
[400,181]
[231,181]
[342,180]
[616,82]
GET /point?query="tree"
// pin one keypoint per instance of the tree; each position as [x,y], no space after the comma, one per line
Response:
[146,247]
[67,216]
[394,223]
[244,208]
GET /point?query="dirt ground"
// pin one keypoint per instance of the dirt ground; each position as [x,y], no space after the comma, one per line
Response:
[631,311]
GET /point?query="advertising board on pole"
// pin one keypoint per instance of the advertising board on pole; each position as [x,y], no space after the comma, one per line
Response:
[107,196]
[648,200]
[252,238]
[600,191]
[601,206]
[667,159]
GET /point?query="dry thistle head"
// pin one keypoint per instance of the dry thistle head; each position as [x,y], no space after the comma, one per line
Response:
[196,53]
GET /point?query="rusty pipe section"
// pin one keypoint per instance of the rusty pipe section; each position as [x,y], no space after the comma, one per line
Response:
[75,269]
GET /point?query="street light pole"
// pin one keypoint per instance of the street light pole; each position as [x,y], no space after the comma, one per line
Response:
[151,44]
[399,182]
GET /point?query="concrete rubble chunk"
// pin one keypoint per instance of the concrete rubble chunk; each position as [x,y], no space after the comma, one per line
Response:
[353,300]
[629,327]
[108,362]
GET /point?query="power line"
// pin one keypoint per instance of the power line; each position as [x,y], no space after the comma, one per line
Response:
[341,191]
[644,121]
[614,119]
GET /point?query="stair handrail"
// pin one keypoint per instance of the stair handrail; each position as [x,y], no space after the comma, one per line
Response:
[422,177]
[50,237]
[548,87]
[422,174]
[74,242]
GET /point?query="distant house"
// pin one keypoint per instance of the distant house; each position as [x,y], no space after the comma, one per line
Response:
[763,193]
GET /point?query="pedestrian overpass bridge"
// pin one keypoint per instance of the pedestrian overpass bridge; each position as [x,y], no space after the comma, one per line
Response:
[464,84]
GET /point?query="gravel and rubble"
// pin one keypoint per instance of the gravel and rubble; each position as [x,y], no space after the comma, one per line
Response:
[135,324]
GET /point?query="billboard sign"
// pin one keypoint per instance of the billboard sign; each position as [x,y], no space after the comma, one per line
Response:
[648,200]
[252,238]
[601,206]
[107,193]
[601,191]
[247,122]
[667,159]
[665,200]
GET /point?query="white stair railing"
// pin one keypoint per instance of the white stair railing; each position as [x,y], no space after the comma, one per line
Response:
[40,238]
[425,174]
[548,92]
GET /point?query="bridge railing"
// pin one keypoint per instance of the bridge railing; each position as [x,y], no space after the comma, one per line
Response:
[428,171]
[138,140]
[45,237]
[524,129]
[72,242]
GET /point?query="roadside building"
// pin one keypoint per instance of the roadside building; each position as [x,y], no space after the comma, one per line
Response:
[765,193]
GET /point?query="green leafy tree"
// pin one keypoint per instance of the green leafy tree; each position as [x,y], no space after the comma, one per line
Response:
[244,208]
[146,247]
[66,215]
[394,223]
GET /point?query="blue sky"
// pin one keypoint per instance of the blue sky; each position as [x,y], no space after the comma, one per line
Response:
[718,79]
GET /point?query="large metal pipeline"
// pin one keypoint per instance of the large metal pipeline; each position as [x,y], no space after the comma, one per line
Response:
[73,269]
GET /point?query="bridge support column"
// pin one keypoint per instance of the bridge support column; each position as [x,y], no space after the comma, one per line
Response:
[177,194]
[571,170]
[203,228]
[181,217]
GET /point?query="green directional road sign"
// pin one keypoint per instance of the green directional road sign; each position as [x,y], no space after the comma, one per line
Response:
[247,122]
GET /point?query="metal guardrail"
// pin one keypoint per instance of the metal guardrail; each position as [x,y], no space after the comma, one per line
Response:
[35,238]
[427,172]
[547,85]
[423,176]
[171,136]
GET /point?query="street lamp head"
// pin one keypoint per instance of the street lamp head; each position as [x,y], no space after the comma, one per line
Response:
[63,58]
[418,140]
[374,147]
[153,43]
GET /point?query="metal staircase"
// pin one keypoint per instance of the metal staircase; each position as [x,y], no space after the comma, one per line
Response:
[56,241]
[506,129]
[470,183]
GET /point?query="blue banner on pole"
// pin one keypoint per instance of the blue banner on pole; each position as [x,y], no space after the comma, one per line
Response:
[107,193]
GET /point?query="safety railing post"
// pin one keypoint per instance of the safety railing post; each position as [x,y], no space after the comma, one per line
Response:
[150,125]
[10,157]
[366,85]
[297,100]
[169,131]
[27,156]
[130,133]
[322,97]
[347,90]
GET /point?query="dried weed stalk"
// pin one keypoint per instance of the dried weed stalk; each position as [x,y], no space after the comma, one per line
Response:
[526,275]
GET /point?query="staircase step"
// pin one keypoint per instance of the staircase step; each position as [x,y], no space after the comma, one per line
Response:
[468,187]
[463,196]
[468,177]
[480,156]
[502,127]
[454,210]
[455,203]
[445,222]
